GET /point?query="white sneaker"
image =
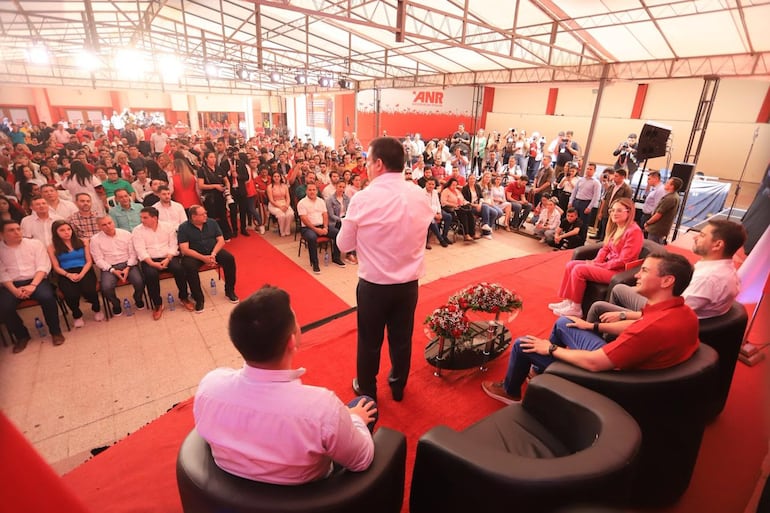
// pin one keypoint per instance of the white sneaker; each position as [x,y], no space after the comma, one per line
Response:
[487,236]
[98,316]
[573,309]
[79,323]
[486,227]
[560,304]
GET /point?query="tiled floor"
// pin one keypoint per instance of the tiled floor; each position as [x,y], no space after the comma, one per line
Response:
[111,378]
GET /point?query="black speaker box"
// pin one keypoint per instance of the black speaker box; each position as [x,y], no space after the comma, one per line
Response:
[652,141]
[684,171]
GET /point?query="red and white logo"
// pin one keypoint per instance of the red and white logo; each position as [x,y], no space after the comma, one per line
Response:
[428,98]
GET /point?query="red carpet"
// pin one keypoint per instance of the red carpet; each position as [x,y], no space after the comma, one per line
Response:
[137,474]
[259,262]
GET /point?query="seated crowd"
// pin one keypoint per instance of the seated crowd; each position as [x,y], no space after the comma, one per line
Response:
[54,252]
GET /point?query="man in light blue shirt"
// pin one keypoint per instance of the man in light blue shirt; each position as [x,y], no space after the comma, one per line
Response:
[126,213]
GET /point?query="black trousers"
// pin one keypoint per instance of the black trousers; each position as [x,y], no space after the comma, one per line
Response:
[239,207]
[152,279]
[73,290]
[381,306]
[191,266]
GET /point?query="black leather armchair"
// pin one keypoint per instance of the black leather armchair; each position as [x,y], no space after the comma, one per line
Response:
[725,335]
[563,444]
[601,291]
[205,488]
[672,408]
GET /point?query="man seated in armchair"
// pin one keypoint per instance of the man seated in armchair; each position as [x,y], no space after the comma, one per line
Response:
[665,336]
[712,290]
[261,422]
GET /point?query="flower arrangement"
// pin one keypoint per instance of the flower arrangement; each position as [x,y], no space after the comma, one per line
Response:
[451,320]
[487,297]
[448,321]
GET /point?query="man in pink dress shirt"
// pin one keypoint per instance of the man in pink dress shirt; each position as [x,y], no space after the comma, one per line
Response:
[261,422]
[386,225]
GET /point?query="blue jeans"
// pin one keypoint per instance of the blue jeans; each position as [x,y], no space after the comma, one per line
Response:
[488,215]
[519,362]
[446,219]
[312,243]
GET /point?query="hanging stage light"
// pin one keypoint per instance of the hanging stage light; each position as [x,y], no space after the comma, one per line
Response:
[301,79]
[275,76]
[325,82]
[345,83]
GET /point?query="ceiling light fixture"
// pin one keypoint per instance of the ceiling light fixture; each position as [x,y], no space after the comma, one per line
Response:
[345,83]
[275,76]
[212,69]
[171,68]
[38,54]
[325,82]
[301,79]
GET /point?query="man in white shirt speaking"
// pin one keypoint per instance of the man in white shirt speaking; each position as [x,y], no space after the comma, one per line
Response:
[386,225]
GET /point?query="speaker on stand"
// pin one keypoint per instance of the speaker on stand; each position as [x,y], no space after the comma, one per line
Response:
[653,143]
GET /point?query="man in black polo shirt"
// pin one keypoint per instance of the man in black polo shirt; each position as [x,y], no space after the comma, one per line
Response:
[201,242]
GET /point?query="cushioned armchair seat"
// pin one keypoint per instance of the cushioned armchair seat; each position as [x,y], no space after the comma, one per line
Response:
[205,488]
[725,334]
[563,444]
[671,407]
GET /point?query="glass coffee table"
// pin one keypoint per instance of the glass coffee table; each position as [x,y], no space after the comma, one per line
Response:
[486,341]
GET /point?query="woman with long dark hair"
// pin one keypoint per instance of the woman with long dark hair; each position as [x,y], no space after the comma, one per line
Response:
[212,185]
[71,261]
[10,210]
[81,180]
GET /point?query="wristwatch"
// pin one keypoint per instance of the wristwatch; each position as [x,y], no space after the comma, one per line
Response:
[622,316]
[551,349]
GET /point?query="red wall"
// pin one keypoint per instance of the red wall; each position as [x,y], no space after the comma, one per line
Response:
[398,125]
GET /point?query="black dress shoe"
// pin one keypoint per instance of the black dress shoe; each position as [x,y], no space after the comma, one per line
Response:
[245,233]
[398,394]
[358,391]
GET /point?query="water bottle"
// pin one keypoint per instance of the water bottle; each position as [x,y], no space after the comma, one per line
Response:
[326,258]
[213,287]
[40,327]
[127,307]
[171,303]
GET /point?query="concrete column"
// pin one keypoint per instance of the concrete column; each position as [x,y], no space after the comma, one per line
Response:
[192,110]
[43,106]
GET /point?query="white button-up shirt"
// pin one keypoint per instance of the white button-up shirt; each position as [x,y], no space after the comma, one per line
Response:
[386,225]
[108,251]
[173,214]
[158,243]
[32,227]
[22,262]
[713,287]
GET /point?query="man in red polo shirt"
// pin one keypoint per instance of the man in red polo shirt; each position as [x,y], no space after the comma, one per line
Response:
[665,335]
[516,195]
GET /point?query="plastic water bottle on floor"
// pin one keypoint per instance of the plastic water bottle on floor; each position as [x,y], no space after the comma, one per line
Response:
[326,258]
[171,302]
[127,308]
[213,287]
[40,327]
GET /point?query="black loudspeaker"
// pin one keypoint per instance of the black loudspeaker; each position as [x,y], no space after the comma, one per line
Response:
[684,171]
[652,141]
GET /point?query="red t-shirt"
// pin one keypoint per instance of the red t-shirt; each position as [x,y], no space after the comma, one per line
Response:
[516,189]
[666,335]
